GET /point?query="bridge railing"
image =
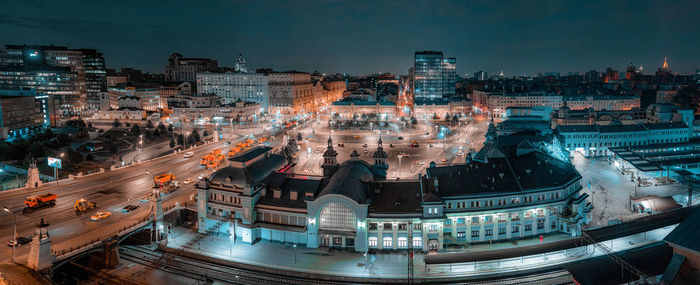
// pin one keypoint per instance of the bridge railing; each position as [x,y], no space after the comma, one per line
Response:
[72,251]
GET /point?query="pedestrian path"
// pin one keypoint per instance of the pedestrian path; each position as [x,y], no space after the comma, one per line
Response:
[390,265]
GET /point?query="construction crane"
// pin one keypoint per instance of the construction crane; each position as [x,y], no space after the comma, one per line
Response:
[608,252]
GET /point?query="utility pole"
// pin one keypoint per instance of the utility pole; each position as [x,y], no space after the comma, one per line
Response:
[410,253]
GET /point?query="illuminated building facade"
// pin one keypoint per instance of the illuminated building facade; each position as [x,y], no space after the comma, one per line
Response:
[185,69]
[23,112]
[291,93]
[434,76]
[226,113]
[146,92]
[594,140]
[509,190]
[232,87]
[87,66]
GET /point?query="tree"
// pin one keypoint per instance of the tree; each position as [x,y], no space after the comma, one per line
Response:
[172,143]
[78,123]
[205,134]
[114,149]
[135,130]
[116,123]
[156,133]
[170,128]
[37,148]
[299,137]
[89,157]
[127,124]
[194,137]
[180,139]
[455,119]
[90,125]
[161,127]
[414,121]
[149,124]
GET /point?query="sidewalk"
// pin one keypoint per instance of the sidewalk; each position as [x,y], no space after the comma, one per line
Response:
[390,265]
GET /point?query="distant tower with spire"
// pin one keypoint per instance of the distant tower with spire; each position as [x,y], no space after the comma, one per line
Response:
[330,160]
[664,70]
[240,65]
[380,166]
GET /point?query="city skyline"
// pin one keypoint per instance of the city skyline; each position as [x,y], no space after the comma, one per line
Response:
[520,39]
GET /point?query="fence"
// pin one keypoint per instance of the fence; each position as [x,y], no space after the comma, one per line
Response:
[71,251]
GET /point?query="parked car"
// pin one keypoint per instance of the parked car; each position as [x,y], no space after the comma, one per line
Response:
[341,144]
[129,208]
[188,181]
[100,216]
[364,145]
[227,143]
[189,154]
[20,241]
[400,138]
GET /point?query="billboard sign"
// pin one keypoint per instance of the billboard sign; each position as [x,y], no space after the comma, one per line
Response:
[54,162]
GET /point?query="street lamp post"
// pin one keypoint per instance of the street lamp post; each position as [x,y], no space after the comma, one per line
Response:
[14,235]
[295,253]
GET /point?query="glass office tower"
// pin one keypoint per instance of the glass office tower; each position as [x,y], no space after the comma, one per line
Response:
[434,76]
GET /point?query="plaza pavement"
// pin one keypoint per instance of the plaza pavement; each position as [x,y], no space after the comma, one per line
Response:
[391,265]
[610,190]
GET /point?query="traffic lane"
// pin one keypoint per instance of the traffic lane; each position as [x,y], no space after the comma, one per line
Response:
[73,233]
[64,211]
[122,189]
[16,200]
[120,173]
[64,205]
[127,190]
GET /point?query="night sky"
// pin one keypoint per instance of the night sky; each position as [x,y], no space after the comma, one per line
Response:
[362,37]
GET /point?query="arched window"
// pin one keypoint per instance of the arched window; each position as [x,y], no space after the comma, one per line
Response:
[335,216]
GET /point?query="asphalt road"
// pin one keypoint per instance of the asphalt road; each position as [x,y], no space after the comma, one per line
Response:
[111,191]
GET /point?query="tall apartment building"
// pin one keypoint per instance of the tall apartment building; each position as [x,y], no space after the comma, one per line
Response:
[87,65]
[231,87]
[434,76]
[291,92]
[185,69]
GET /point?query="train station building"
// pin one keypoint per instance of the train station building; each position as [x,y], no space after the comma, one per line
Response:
[509,190]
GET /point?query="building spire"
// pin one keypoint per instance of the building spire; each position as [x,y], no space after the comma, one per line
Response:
[665,66]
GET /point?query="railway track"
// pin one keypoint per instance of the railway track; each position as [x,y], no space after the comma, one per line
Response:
[200,270]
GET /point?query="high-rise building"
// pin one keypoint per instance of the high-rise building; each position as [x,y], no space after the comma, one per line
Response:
[434,76]
[23,112]
[87,65]
[449,76]
[95,77]
[481,75]
[231,87]
[185,69]
[56,82]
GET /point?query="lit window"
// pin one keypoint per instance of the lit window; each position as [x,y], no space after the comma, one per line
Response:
[387,242]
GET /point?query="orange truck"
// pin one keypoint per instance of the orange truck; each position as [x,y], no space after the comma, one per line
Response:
[40,201]
[234,151]
[163,179]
